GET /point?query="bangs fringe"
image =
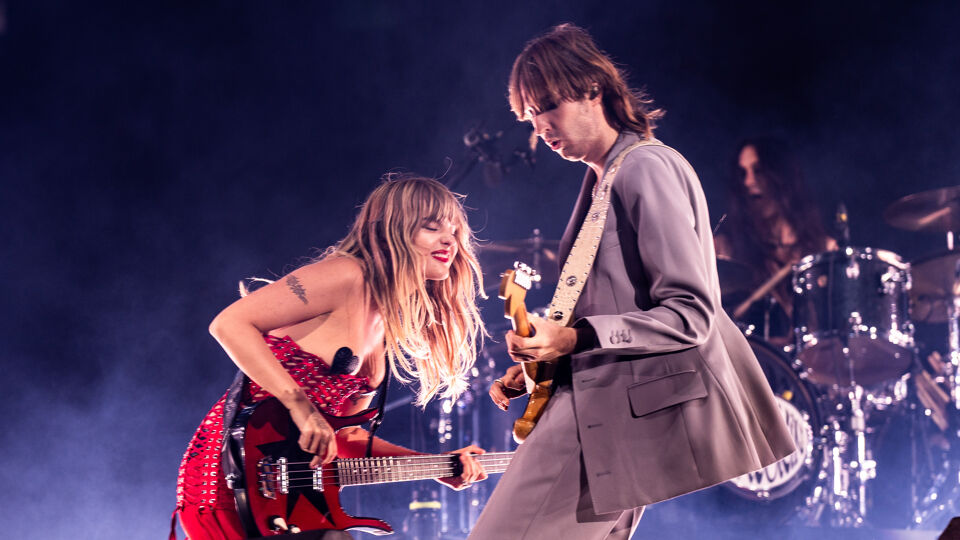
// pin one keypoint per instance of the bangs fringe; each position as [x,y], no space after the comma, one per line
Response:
[430,328]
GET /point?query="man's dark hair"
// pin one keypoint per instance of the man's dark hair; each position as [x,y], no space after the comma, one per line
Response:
[566,65]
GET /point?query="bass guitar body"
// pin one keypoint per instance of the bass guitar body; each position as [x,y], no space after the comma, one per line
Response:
[277,492]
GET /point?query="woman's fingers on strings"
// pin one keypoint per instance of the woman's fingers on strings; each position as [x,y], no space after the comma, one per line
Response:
[331,451]
[305,441]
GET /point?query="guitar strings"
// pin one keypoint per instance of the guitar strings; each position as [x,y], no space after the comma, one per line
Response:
[356,473]
[309,482]
[414,460]
[351,471]
[332,473]
[299,483]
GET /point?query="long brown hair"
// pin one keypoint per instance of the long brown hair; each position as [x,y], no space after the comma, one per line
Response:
[565,64]
[778,171]
[431,327]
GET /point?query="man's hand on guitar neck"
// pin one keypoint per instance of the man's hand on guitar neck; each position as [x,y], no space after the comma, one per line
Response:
[548,342]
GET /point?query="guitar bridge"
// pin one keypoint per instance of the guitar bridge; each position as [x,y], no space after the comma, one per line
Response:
[273,477]
[318,479]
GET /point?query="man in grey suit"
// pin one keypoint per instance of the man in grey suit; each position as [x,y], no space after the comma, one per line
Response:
[657,392]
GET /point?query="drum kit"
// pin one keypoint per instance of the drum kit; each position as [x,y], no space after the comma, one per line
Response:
[852,369]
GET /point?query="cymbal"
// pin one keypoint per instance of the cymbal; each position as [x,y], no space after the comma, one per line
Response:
[537,252]
[522,247]
[933,278]
[937,210]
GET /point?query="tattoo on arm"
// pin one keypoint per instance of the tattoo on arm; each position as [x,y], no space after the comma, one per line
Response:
[297,288]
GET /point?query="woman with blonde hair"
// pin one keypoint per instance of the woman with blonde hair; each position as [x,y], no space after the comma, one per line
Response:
[398,292]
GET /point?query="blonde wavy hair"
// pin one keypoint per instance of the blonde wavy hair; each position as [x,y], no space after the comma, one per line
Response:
[431,327]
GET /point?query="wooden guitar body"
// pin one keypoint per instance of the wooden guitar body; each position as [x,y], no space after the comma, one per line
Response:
[538,375]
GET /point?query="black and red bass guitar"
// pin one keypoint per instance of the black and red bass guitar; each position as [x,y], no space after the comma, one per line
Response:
[278,493]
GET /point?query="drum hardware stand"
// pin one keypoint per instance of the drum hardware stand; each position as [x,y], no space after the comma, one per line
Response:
[848,463]
[940,502]
[459,426]
[451,438]
[953,329]
[769,304]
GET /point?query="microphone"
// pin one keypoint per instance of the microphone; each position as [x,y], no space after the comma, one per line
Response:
[483,144]
[842,225]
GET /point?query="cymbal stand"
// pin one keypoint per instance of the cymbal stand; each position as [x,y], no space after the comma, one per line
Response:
[454,433]
[953,329]
[459,426]
[942,499]
[848,465]
[536,247]
[769,303]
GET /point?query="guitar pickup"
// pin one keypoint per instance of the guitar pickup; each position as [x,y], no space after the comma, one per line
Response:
[274,476]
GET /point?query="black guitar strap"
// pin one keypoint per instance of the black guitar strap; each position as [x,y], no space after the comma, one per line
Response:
[378,419]
[232,470]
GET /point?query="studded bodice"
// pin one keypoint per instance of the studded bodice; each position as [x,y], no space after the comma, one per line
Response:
[201,480]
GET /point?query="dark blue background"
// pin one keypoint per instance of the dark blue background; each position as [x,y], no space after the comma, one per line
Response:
[151,154]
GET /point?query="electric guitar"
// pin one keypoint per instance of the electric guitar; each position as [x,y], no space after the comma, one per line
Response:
[538,375]
[278,493]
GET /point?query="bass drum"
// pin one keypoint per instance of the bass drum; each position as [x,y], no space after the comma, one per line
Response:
[776,492]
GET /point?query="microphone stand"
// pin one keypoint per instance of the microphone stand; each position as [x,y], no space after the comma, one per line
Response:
[481,146]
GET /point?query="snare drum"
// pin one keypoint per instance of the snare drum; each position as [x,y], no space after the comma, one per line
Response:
[851,316]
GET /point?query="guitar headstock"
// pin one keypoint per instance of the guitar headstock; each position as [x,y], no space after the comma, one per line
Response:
[513,290]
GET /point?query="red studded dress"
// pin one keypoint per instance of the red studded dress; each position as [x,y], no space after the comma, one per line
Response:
[204,502]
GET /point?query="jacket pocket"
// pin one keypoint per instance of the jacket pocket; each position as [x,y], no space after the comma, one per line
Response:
[662,391]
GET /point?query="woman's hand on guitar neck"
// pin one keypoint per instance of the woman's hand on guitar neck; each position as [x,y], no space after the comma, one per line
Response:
[472,469]
[316,435]
[508,387]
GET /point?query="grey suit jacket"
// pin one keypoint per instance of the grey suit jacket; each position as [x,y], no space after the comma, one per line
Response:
[672,399]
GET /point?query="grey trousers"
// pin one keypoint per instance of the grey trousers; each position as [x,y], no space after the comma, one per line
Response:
[544,493]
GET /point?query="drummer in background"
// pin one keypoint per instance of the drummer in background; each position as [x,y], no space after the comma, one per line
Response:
[771,223]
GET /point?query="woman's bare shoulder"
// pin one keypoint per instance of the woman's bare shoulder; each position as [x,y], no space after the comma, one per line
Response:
[340,270]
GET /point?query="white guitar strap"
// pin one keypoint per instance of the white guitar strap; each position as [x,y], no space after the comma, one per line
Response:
[577,267]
